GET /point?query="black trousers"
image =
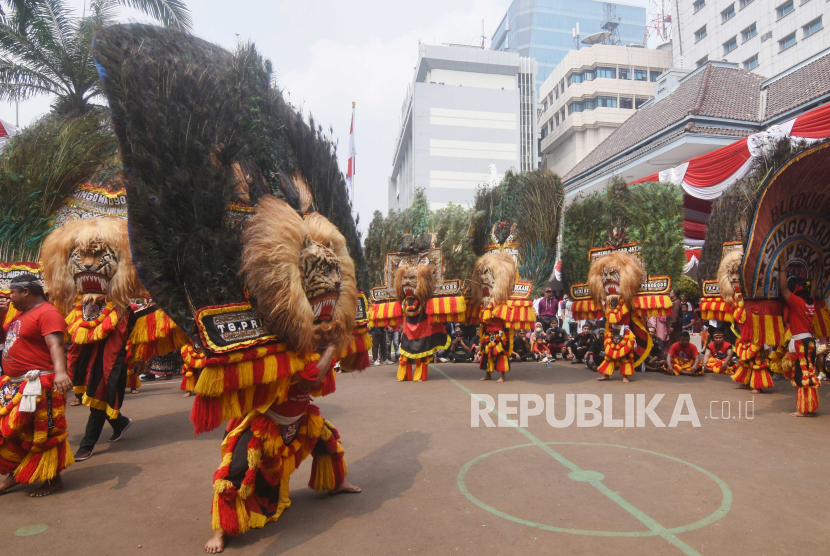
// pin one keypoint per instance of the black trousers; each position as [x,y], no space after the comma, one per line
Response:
[97,418]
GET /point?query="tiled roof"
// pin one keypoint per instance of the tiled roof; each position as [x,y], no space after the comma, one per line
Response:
[802,85]
[715,91]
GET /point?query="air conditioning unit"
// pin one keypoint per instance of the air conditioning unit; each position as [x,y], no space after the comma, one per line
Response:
[766,36]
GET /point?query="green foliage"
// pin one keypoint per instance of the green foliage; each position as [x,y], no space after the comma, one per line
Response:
[533,202]
[449,225]
[46,49]
[650,213]
[686,285]
[40,168]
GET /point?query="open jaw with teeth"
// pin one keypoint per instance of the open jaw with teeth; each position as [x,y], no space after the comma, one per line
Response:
[92,282]
[611,287]
[322,306]
[408,291]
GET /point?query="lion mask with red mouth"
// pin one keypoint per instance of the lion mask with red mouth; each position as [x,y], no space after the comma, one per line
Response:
[414,284]
[300,277]
[615,278]
[90,257]
[494,276]
[729,275]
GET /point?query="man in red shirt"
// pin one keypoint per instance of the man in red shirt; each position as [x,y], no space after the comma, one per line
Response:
[718,356]
[798,295]
[684,358]
[33,429]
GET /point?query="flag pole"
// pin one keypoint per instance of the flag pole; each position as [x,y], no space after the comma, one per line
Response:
[354,164]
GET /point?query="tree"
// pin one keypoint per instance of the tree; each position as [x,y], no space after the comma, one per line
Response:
[45,48]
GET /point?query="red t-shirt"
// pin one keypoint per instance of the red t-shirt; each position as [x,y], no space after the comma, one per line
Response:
[801,315]
[683,353]
[719,353]
[25,349]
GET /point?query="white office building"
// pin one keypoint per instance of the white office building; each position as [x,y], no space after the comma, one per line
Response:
[469,115]
[765,37]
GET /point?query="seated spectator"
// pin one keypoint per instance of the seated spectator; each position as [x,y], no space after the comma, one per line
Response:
[718,356]
[688,313]
[539,343]
[475,346]
[656,359]
[596,352]
[522,350]
[556,339]
[459,350]
[684,358]
[578,346]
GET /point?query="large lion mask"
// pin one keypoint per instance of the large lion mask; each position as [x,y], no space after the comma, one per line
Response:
[615,277]
[729,274]
[414,285]
[494,276]
[299,276]
[90,257]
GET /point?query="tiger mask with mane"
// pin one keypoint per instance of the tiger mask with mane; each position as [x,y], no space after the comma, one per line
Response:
[414,285]
[615,278]
[494,276]
[91,258]
[300,277]
[729,275]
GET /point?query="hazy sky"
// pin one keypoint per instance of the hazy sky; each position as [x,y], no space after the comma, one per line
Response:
[328,53]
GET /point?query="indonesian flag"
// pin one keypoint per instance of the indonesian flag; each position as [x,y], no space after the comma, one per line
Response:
[6,131]
[350,172]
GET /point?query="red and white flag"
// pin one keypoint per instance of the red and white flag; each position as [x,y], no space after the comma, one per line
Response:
[350,172]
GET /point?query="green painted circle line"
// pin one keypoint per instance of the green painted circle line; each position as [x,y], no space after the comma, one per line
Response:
[591,477]
[31,530]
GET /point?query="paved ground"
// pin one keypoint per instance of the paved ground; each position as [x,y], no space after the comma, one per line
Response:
[748,487]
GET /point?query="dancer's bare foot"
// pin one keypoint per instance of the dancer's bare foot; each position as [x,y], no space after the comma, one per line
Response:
[740,387]
[187,394]
[77,401]
[604,377]
[48,487]
[757,391]
[133,390]
[216,543]
[797,414]
[625,380]
[8,484]
[499,381]
[486,377]
[345,487]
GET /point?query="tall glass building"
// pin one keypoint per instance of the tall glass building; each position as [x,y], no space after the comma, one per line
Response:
[542,29]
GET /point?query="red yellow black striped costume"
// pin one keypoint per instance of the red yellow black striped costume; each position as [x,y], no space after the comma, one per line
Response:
[717,357]
[496,332]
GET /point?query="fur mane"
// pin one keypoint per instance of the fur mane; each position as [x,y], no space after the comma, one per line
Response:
[503,268]
[273,241]
[425,282]
[59,245]
[727,292]
[632,273]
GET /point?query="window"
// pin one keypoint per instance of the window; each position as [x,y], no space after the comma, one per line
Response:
[702,61]
[812,27]
[562,114]
[700,33]
[574,107]
[545,106]
[745,3]
[784,9]
[655,75]
[606,102]
[589,104]
[727,14]
[749,32]
[786,42]
[574,78]
[640,75]
[589,75]
[699,4]
[544,132]
[639,102]
[556,119]
[562,86]
[626,102]
[607,73]
[624,73]
[751,64]
[557,91]
[730,45]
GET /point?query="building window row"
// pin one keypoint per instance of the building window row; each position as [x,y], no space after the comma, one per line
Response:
[727,14]
[745,3]
[749,32]
[730,45]
[700,34]
[751,63]
[614,73]
[812,27]
[698,4]
[605,102]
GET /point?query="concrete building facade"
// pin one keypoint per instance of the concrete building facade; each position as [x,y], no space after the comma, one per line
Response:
[590,94]
[468,116]
[543,29]
[765,37]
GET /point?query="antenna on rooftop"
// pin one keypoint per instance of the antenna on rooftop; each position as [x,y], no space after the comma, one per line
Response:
[611,23]
[575,32]
[660,25]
